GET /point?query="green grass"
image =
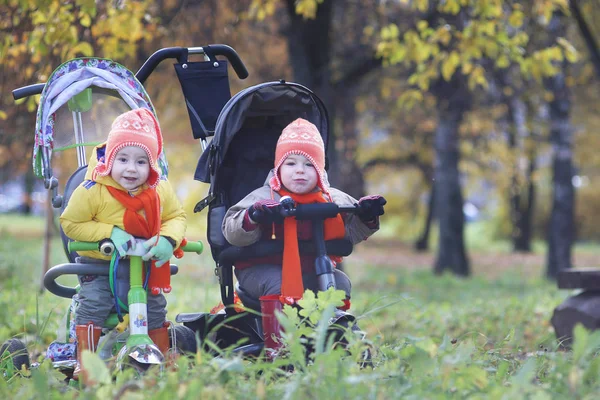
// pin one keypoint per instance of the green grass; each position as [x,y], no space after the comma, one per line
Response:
[435,336]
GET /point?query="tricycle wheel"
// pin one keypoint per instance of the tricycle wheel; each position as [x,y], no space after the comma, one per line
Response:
[13,356]
[185,340]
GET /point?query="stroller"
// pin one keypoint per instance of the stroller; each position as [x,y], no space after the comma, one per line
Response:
[238,159]
[77,106]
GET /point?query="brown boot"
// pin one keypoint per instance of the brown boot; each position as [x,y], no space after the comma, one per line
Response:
[160,337]
[87,339]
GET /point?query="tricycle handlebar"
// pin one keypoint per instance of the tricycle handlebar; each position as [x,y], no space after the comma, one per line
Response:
[107,248]
[313,211]
[77,269]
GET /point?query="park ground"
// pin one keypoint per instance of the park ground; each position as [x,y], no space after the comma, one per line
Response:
[486,336]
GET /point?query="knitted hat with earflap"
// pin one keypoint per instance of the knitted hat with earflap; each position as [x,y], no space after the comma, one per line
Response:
[138,128]
[301,137]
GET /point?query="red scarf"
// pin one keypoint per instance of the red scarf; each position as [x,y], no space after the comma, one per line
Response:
[134,222]
[291,279]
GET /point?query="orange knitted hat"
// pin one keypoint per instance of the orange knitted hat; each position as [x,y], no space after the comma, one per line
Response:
[300,137]
[138,128]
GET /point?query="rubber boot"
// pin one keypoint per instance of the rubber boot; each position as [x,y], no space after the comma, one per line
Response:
[88,337]
[160,337]
[271,326]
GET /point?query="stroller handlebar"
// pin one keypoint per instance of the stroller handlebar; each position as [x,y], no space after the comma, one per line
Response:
[26,91]
[228,52]
[179,53]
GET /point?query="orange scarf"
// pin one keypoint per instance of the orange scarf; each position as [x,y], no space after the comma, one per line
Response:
[135,223]
[291,275]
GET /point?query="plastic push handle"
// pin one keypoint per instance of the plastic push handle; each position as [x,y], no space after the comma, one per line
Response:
[193,247]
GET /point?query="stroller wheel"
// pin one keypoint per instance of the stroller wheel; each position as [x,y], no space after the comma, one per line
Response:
[13,356]
[250,351]
[185,340]
[366,358]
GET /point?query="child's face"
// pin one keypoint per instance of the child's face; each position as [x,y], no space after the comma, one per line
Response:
[131,167]
[298,174]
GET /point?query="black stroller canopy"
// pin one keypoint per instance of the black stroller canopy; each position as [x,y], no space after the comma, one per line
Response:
[248,128]
[242,152]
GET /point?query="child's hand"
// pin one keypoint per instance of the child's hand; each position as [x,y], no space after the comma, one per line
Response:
[162,251]
[122,240]
[265,211]
[370,207]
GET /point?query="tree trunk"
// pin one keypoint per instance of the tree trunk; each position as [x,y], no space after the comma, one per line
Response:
[28,184]
[453,100]
[586,33]
[350,178]
[514,127]
[525,223]
[310,51]
[422,243]
[521,211]
[561,229]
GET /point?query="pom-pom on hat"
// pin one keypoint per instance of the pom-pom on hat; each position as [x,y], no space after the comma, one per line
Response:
[138,128]
[301,137]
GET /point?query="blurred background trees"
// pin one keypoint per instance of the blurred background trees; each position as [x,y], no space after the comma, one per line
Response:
[462,113]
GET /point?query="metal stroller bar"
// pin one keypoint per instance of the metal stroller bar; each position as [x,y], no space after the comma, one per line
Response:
[78,127]
[155,59]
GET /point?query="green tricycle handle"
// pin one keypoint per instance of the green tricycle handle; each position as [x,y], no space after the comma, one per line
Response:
[83,246]
[191,247]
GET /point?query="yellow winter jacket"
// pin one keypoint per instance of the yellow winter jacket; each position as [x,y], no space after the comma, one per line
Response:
[92,212]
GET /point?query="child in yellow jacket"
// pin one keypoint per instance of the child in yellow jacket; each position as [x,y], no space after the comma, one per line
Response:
[124,196]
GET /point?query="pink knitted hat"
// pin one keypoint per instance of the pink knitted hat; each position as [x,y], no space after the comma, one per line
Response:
[138,128]
[300,137]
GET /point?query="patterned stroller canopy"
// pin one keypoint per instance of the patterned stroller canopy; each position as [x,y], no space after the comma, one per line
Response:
[70,79]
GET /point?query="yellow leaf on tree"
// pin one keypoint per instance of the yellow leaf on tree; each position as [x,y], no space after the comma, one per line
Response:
[81,49]
[444,35]
[502,61]
[516,19]
[85,20]
[422,5]
[449,65]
